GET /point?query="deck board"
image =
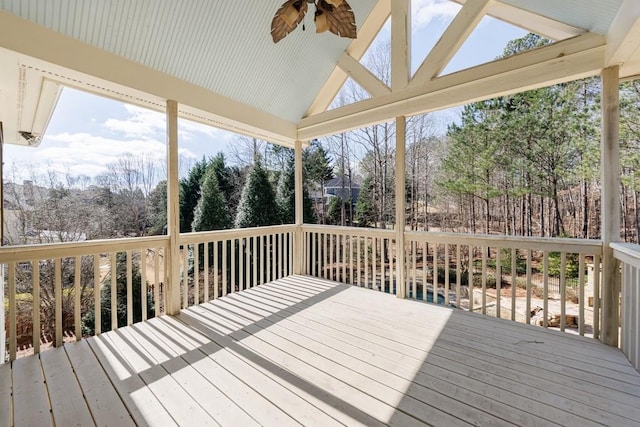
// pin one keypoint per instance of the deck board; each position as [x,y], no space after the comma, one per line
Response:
[30,396]
[102,400]
[68,406]
[305,351]
[5,395]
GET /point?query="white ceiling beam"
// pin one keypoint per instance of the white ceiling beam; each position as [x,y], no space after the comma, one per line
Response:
[623,38]
[538,24]
[454,36]
[363,76]
[34,41]
[400,44]
[366,35]
[571,59]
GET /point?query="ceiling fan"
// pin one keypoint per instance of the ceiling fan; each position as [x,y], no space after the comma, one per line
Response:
[333,15]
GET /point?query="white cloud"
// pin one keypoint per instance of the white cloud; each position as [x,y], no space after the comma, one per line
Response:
[148,124]
[426,11]
[82,153]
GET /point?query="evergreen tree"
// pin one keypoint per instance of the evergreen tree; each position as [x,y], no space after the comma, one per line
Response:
[365,205]
[157,202]
[190,194]
[257,205]
[317,170]
[88,320]
[211,212]
[286,197]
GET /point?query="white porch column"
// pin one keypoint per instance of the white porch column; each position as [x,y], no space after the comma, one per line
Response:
[610,148]
[298,242]
[172,282]
[3,334]
[401,138]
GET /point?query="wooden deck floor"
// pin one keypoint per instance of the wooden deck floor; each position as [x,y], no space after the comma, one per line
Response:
[307,351]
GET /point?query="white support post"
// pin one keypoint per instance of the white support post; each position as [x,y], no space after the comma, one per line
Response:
[3,334]
[172,287]
[401,136]
[400,44]
[298,249]
[610,148]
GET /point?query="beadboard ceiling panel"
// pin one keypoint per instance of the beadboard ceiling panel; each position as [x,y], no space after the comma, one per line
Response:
[224,46]
[592,15]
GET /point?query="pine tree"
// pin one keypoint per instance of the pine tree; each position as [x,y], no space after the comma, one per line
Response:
[190,194]
[257,205]
[286,197]
[365,205]
[211,212]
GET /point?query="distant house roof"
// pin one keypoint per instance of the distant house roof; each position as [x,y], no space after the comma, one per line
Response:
[339,187]
[340,182]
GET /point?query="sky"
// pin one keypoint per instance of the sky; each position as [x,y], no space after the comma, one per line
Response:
[87,132]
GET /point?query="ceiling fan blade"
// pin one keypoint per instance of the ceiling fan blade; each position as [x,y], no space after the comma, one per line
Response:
[341,19]
[287,18]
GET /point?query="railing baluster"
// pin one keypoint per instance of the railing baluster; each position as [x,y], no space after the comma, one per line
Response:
[374,263]
[514,283]
[581,305]
[205,277]
[114,292]
[425,252]
[58,303]
[247,263]
[366,262]
[528,313]
[262,259]
[331,257]
[97,294]
[458,275]
[447,283]
[77,313]
[499,282]
[225,284]
[13,330]
[413,290]
[350,260]
[196,274]
[241,263]
[232,286]
[596,296]
[143,283]
[343,257]
[216,269]
[281,255]
[156,278]
[563,291]
[236,261]
[254,280]
[436,285]
[185,276]
[470,278]
[291,253]
[484,279]
[359,260]
[314,243]
[35,277]
[545,291]
[129,289]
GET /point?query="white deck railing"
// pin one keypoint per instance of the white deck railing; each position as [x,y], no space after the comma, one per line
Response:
[220,262]
[467,271]
[55,285]
[629,256]
[463,270]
